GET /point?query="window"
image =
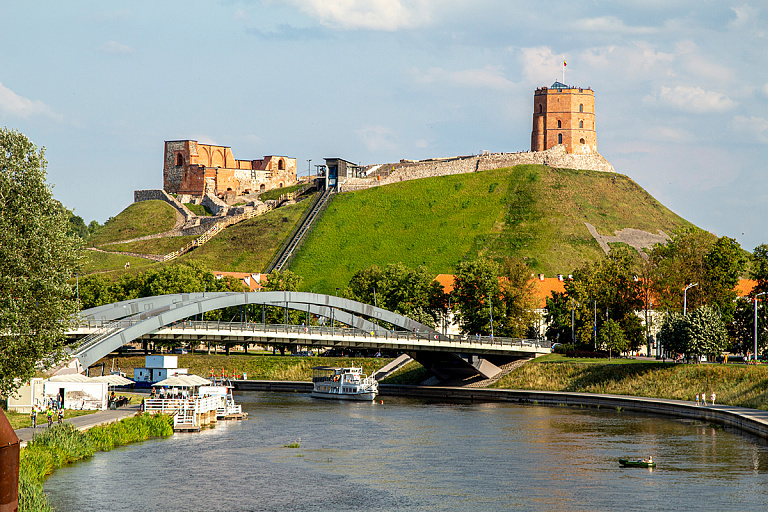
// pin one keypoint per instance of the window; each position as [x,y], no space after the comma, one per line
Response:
[559,138]
[262,188]
[179,160]
[581,107]
[559,123]
[539,108]
[281,165]
[581,124]
[582,141]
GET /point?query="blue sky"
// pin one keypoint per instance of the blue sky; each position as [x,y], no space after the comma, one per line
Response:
[681,88]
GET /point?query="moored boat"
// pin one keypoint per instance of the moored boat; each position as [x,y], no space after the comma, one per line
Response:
[343,383]
[638,463]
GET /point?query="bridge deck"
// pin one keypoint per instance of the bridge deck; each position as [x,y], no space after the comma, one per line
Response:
[319,336]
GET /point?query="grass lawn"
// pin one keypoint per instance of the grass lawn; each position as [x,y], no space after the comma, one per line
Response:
[249,245]
[154,246]
[740,385]
[277,192]
[139,219]
[100,262]
[530,212]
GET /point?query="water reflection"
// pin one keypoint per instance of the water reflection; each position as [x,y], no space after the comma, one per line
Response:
[415,455]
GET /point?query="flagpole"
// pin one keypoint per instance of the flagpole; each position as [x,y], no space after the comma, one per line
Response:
[563,70]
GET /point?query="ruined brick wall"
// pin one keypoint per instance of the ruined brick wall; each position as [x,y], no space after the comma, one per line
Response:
[554,157]
[174,174]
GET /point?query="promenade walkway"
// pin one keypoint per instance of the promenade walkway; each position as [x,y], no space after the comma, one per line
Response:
[81,422]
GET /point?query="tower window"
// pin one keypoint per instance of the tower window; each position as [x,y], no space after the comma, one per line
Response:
[559,138]
[539,108]
[581,107]
[179,160]
[559,123]
[581,124]
[582,141]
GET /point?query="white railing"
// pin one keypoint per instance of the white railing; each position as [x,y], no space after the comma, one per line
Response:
[323,332]
[185,411]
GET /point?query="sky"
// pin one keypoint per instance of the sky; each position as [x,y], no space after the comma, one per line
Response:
[681,88]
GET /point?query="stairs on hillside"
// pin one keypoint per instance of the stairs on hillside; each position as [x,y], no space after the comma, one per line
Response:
[296,239]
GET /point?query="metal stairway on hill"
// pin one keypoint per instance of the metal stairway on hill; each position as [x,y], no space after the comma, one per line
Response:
[299,235]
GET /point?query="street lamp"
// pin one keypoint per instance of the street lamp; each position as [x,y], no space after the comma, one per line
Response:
[573,332]
[490,308]
[685,295]
[756,296]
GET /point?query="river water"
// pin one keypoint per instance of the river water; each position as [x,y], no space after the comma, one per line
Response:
[414,455]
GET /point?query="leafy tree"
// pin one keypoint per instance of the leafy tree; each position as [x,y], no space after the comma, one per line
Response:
[558,318]
[518,294]
[77,226]
[37,260]
[723,265]
[610,287]
[759,269]
[700,332]
[743,326]
[679,262]
[612,337]
[283,280]
[397,288]
[476,290]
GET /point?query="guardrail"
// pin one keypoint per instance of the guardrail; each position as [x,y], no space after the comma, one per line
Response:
[309,332]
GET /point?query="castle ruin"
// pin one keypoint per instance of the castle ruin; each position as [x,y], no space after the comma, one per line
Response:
[195,169]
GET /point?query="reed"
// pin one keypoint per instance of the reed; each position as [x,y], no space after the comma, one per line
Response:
[63,444]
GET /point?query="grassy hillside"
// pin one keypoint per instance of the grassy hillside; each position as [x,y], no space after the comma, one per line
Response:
[139,219]
[535,213]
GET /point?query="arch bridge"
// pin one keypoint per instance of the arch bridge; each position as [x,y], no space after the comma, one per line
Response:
[106,328]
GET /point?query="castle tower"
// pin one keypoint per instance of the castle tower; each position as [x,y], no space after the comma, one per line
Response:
[564,115]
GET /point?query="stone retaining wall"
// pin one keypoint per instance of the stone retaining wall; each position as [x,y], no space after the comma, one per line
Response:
[412,170]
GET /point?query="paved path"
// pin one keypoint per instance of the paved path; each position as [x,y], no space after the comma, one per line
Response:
[81,422]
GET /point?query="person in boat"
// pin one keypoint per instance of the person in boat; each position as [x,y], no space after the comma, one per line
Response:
[649,460]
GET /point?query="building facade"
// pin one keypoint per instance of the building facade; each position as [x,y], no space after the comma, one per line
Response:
[197,169]
[564,115]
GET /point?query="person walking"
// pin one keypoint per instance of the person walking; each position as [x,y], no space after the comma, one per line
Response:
[33,417]
[697,399]
[713,398]
[61,416]
[703,399]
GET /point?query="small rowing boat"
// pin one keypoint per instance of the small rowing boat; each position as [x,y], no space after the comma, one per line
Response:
[638,463]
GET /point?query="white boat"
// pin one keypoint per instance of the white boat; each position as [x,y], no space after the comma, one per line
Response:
[343,383]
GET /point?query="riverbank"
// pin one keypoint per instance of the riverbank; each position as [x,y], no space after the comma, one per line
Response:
[62,444]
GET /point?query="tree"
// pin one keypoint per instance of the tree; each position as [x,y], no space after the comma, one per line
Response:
[397,288]
[612,337]
[518,295]
[700,332]
[37,260]
[679,262]
[283,280]
[723,265]
[476,290]
[759,270]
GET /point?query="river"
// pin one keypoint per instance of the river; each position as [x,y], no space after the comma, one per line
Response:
[413,455]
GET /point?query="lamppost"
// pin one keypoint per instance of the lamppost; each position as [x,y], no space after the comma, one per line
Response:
[756,296]
[490,308]
[309,167]
[573,332]
[685,295]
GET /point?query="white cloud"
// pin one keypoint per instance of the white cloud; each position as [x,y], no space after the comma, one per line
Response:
[14,105]
[115,48]
[690,99]
[540,65]
[489,77]
[607,24]
[754,125]
[377,138]
[689,57]
[669,134]
[389,15]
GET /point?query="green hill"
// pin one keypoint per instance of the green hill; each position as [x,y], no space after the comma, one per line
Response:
[244,247]
[535,213]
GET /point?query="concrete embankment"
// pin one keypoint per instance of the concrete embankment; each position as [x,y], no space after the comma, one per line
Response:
[752,421]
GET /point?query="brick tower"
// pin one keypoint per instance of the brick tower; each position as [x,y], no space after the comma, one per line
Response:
[564,115]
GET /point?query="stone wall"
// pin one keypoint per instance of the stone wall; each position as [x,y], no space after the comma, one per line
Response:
[410,170]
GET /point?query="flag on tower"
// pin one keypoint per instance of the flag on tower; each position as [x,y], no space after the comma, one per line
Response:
[565,63]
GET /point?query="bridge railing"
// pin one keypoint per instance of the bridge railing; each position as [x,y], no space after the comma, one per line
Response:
[310,332]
